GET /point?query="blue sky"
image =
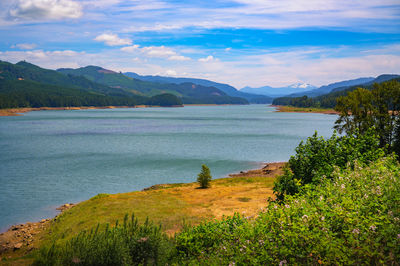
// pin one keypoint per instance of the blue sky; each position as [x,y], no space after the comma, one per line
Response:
[240,42]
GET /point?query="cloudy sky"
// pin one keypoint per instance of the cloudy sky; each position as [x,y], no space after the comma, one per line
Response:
[239,42]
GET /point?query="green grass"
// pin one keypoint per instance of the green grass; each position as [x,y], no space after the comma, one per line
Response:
[171,205]
[305,109]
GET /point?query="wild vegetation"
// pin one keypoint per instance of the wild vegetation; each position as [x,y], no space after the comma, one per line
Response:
[352,218]
[362,109]
[317,158]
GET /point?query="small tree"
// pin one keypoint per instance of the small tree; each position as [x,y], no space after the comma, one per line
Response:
[204,177]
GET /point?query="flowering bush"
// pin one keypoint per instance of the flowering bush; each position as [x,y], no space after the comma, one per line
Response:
[317,158]
[352,219]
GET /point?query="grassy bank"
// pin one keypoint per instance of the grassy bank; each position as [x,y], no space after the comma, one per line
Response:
[292,109]
[171,205]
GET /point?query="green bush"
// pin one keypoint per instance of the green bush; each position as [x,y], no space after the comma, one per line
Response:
[317,158]
[126,244]
[353,218]
[204,177]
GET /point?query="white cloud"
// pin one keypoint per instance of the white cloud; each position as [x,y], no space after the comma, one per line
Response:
[130,49]
[24,46]
[46,9]
[157,27]
[207,59]
[158,51]
[360,15]
[112,39]
[178,58]
[171,72]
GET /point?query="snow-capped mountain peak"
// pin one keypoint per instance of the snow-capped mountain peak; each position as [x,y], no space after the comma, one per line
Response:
[301,85]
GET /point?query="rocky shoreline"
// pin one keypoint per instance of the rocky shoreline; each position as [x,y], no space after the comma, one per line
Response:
[24,236]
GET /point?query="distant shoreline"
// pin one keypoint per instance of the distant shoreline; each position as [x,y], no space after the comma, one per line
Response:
[20,111]
[292,109]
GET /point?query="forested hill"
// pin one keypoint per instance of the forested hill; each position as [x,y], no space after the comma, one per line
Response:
[189,92]
[329,100]
[27,85]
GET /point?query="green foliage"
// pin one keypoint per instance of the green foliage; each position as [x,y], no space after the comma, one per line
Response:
[317,158]
[286,184]
[353,218]
[362,109]
[204,178]
[126,244]
[396,145]
[165,99]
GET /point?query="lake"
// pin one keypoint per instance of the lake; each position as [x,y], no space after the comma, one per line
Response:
[49,158]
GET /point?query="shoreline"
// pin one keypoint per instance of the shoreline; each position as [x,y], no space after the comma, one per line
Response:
[20,111]
[26,237]
[292,109]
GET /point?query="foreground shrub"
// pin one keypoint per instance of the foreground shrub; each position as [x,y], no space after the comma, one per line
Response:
[126,244]
[352,219]
[317,158]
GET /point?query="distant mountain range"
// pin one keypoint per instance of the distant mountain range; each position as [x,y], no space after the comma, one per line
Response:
[279,91]
[328,88]
[328,100]
[228,89]
[26,85]
[304,89]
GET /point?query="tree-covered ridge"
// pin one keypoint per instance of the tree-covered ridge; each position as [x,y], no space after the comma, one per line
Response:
[27,93]
[27,85]
[329,100]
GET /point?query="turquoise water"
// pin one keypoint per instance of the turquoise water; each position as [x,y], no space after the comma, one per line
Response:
[49,158]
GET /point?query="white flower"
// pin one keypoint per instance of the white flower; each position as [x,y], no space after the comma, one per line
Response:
[372,227]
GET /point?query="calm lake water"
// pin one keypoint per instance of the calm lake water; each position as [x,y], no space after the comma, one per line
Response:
[49,158]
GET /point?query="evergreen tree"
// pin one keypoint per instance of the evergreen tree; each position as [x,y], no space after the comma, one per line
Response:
[204,177]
